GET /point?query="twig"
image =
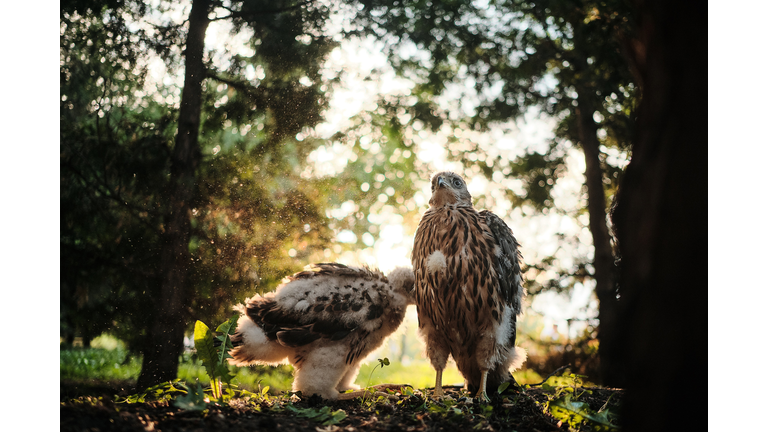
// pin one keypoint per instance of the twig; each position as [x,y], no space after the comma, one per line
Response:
[252,14]
[550,375]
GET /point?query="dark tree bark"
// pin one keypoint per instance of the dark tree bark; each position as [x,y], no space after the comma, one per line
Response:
[661,226]
[166,333]
[605,287]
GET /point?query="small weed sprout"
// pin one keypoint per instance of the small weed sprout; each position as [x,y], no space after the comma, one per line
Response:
[382,362]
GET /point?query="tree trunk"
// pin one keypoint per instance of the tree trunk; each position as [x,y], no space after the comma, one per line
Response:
[604,259]
[661,226]
[166,333]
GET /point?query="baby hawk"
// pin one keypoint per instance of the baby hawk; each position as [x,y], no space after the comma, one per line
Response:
[468,288]
[324,322]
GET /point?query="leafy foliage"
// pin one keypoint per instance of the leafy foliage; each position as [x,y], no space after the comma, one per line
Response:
[114,146]
[564,404]
[323,415]
[194,400]
[577,414]
[162,392]
[214,356]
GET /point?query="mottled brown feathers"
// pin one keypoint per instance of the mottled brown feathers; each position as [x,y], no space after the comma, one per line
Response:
[294,328]
[324,321]
[336,269]
[468,282]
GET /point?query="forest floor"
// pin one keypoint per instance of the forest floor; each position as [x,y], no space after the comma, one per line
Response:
[96,407]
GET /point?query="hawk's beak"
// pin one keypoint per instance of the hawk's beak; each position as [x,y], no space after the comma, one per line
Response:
[441,182]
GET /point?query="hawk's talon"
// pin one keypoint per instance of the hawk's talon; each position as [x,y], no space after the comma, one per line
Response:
[482,397]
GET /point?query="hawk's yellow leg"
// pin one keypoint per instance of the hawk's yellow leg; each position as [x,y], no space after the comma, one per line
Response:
[439,384]
[481,395]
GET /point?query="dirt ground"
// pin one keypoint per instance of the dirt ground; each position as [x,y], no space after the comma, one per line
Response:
[93,408]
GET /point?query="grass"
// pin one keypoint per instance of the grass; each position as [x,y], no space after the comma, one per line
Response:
[420,374]
[109,360]
[98,364]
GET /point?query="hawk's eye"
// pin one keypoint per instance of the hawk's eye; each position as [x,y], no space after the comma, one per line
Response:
[457,182]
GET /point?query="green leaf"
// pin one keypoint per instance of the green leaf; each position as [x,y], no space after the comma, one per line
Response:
[222,371]
[576,413]
[336,417]
[229,327]
[206,352]
[159,392]
[194,400]
[503,387]
[322,415]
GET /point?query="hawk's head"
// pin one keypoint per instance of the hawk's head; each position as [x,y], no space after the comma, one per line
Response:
[449,188]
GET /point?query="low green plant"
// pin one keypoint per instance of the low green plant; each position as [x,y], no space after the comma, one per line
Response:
[322,415]
[448,408]
[213,357]
[575,414]
[565,405]
[194,400]
[162,392]
[364,401]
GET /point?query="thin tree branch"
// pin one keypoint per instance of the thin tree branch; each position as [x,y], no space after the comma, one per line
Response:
[100,259]
[552,374]
[107,193]
[241,14]
[239,85]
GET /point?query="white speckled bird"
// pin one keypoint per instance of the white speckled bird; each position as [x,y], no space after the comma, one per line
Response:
[468,288]
[324,322]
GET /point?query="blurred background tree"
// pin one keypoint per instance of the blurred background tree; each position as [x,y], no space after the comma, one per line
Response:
[157,234]
[497,61]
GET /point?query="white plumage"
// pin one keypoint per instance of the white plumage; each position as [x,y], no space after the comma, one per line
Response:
[324,322]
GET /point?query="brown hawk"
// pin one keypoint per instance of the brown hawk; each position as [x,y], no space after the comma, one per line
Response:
[324,322]
[468,288]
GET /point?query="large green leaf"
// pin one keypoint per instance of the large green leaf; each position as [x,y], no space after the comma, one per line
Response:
[194,400]
[205,349]
[227,328]
[322,415]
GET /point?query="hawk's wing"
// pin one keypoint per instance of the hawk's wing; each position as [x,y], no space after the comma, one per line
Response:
[507,262]
[331,301]
[293,329]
